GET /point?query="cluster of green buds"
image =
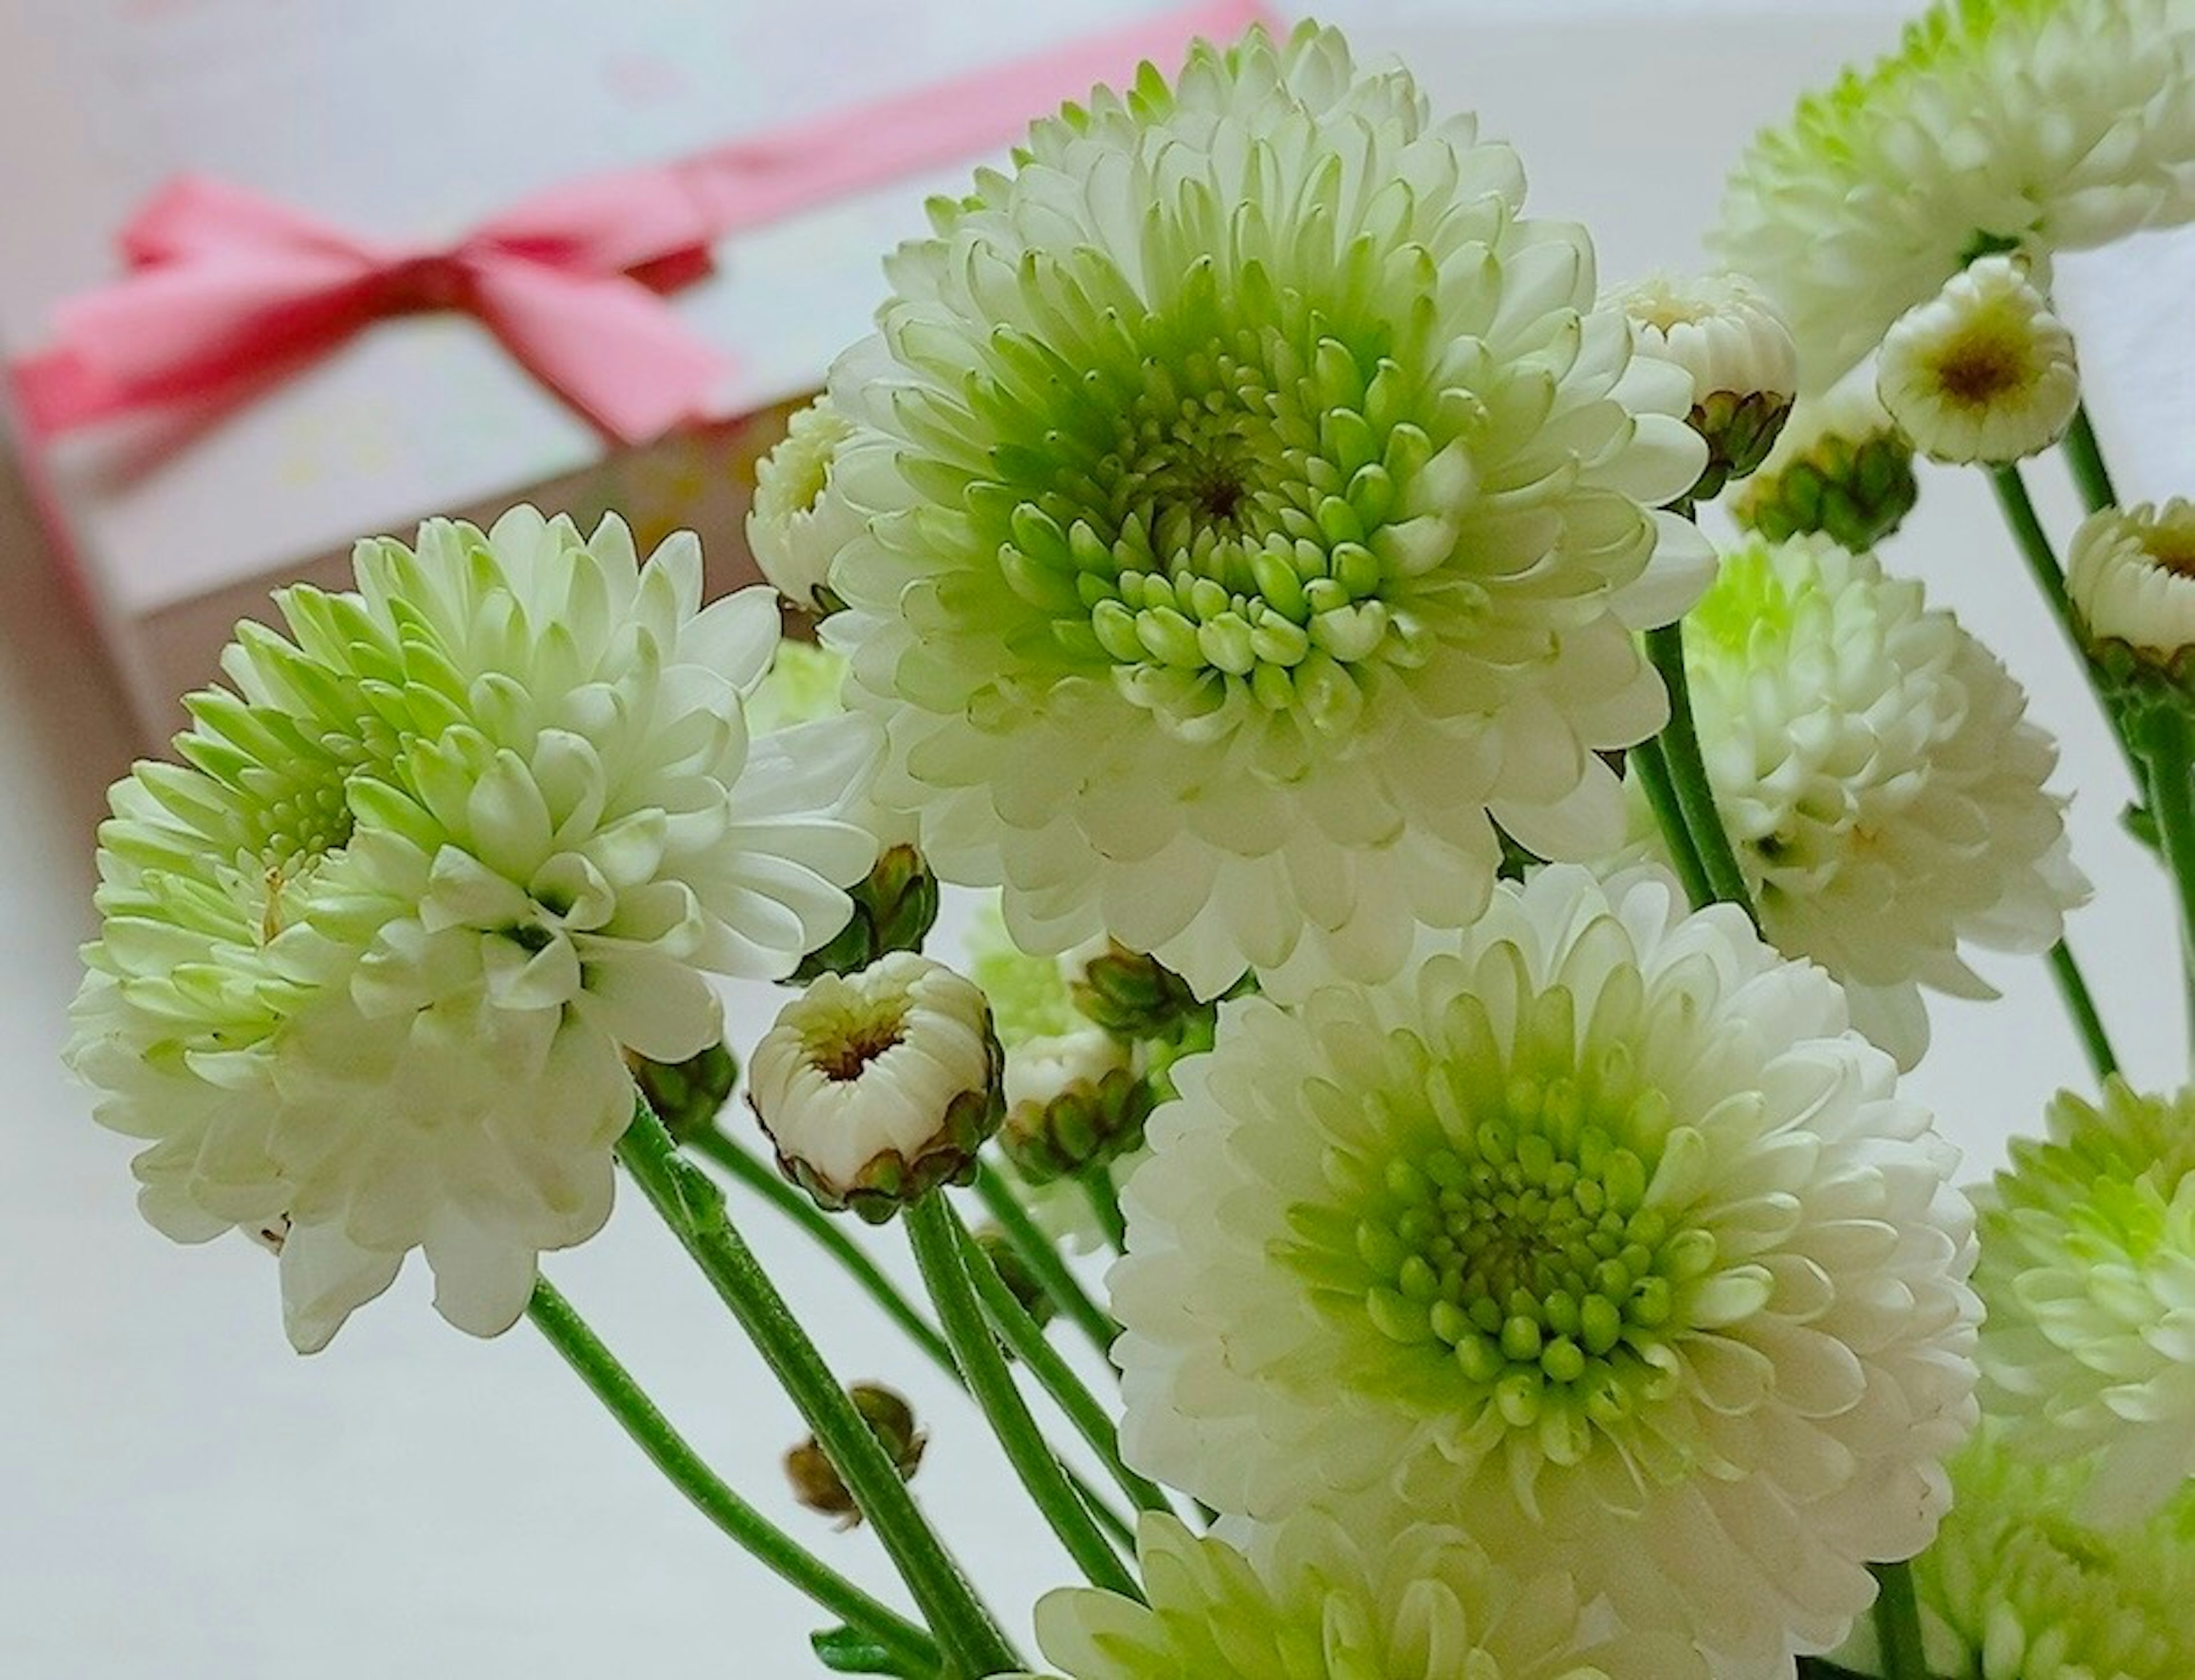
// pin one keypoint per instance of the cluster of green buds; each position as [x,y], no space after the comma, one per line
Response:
[1842,469]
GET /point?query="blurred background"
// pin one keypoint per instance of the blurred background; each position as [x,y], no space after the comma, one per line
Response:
[182,1496]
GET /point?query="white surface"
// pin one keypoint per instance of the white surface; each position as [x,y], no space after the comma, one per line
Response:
[182,1497]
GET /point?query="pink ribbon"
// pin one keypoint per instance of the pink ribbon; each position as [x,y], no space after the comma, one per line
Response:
[227,287]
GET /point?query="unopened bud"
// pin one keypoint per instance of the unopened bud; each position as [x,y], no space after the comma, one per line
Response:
[894,910]
[816,1481]
[1841,469]
[1134,996]
[1086,1124]
[879,1086]
[1014,1272]
[686,1095]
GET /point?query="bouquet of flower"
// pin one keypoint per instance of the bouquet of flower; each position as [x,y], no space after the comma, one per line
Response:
[1453,929]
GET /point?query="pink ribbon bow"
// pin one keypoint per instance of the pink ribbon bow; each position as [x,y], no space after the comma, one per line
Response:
[227,286]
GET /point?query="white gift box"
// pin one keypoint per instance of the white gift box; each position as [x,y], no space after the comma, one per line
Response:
[412,121]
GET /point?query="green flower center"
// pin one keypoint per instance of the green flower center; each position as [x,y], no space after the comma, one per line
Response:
[1529,1254]
[1206,500]
[1528,1251]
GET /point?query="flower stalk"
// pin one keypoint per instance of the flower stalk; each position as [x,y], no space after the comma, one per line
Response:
[2085,455]
[1041,1256]
[1897,1623]
[2167,752]
[2080,1004]
[941,1250]
[2018,509]
[1694,794]
[693,1206]
[1082,1408]
[561,1325]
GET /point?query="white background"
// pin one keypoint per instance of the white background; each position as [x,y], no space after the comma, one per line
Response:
[182,1496]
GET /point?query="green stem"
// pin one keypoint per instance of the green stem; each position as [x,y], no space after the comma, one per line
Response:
[2169,752]
[1105,1203]
[1688,774]
[937,1237]
[829,1235]
[2086,457]
[1653,766]
[2018,510]
[693,1206]
[1068,1392]
[1897,1623]
[1041,1256]
[667,1450]
[2073,987]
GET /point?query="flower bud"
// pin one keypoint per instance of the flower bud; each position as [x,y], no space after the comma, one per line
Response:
[686,1095]
[800,521]
[1840,469]
[1022,1284]
[815,1479]
[1134,996]
[1085,1124]
[2130,573]
[876,1087]
[1983,371]
[894,910]
[1722,329]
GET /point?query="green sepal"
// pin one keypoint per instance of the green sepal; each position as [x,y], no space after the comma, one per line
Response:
[1739,431]
[1854,491]
[1089,1124]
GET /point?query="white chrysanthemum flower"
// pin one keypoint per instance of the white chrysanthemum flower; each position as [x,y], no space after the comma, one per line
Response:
[800,522]
[2131,575]
[2028,125]
[373,955]
[1721,330]
[2089,1273]
[1598,1235]
[1312,1602]
[1881,784]
[1258,502]
[2016,1589]
[878,1086]
[1982,371]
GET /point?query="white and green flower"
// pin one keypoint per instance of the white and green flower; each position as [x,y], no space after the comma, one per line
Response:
[1255,502]
[1597,1235]
[1311,1603]
[2089,1273]
[2015,1588]
[2000,125]
[1983,371]
[1882,786]
[374,951]
[2131,575]
[800,521]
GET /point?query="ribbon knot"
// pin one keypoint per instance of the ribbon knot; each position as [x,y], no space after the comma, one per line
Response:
[226,286]
[427,285]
